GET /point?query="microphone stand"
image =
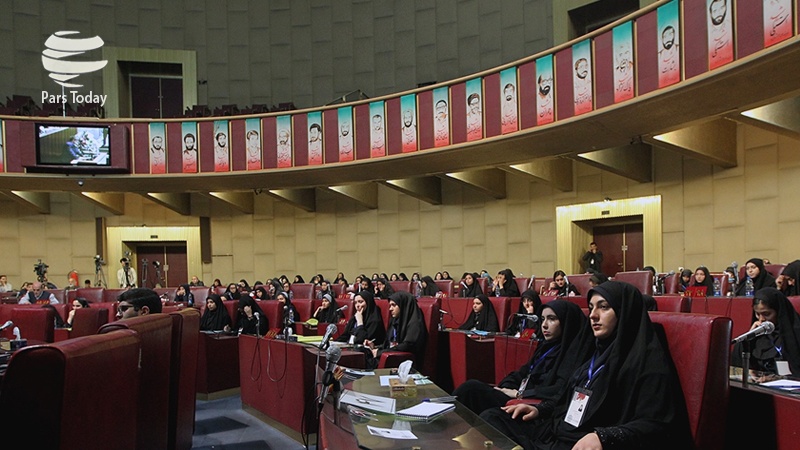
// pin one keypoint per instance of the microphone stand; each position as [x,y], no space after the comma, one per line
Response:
[745,363]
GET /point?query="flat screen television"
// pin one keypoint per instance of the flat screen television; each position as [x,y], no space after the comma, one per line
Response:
[73,145]
[79,148]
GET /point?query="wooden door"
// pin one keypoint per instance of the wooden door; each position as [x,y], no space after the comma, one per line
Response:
[167,265]
[622,247]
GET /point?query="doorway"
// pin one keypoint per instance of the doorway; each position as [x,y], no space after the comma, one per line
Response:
[622,246]
[162,264]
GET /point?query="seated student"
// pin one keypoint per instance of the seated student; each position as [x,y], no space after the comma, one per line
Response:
[383,289]
[184,295]
[685,281]
[783,344]
[757,274]
[429,287]
[326,312]
[529,303]
[325,288]
[483,317]
[366,323]
[232,292]
[561,287]
[215,317]
[247,322]
[290,315]
[567,343]
[38,296]
[702,277]
[626,395]
[78,303]
[790,279]
[406,332]
[470,287]
[260,293]
[597,278]
[504,284]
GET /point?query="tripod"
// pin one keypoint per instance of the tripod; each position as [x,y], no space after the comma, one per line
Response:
[99,276]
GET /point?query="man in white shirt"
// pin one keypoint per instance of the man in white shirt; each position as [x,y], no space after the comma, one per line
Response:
[126,275]
[5,286]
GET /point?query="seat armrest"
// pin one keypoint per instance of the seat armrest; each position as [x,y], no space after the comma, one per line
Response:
[523,401]
[393,359]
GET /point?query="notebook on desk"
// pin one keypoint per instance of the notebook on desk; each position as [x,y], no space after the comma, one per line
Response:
[426,411]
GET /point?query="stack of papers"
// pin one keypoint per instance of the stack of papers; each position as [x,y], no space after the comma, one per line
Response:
[425,411]
[375,403]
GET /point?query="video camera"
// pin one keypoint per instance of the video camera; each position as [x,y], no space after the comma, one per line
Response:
[40,269]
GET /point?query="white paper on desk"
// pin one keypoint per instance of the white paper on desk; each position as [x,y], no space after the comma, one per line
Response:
[390,433]
[418,378]
[374,403]
[782,384]
[362,373]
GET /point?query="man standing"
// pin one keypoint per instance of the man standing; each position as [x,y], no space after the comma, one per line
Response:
[38,296]
[593,259]
[138,302]
[126,275]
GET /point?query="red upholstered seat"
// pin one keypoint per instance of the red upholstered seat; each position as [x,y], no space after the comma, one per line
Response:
[700,348]
[539,284]
[739,309]
[155,332]
[93,379]
[503,308]
[400,286]
[581,281]
[304,308]
[339,289]
[446,286]
[458,311]
[671,283]
[92,295]
[426,361]
[200,294]
[183,377]
[87,321]
[795,302]
[642,279]
[673,303]
[111,295]
[522,283]
[219,290]
[302,290]
[110,307]
[36,324]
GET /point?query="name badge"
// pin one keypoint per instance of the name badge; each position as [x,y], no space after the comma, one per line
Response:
[783,368]
[580,398]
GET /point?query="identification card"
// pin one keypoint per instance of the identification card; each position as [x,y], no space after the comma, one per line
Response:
[580,398]
[783,368]
[522,386]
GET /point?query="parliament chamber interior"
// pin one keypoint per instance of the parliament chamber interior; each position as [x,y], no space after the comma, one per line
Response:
[302,168]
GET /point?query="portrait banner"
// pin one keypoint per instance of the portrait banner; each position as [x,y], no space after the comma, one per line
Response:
[474,94]
[283,133]
[622,44]
[252,137]
[377,129]
[545,111]
[669,37]
[720,33]
[346,128]
[222,150]
[509,109]
[441,117]
[777,21]
[315,147]
[158,147]
[582,77]
[189,152]
[408,122]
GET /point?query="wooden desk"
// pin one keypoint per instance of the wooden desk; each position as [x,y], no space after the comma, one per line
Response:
[217,364]
[762,418]
[277,379]
[471,357]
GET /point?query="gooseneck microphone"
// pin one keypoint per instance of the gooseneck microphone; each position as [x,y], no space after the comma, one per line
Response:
[6,325]
[328,334]
[766,327]
[532,317]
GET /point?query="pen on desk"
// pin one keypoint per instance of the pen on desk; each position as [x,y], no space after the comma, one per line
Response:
[449,398]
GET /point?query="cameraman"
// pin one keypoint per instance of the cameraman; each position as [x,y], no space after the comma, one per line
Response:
[126,275]
[38,296]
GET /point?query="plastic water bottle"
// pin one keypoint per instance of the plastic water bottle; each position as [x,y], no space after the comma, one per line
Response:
[291,316]
[717,288]
[748,287]
[731,283]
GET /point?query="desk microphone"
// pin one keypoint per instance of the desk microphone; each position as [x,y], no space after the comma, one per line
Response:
[332,355]
[342,309]
[6,325]
[328,334]
[765,328]
[531,317]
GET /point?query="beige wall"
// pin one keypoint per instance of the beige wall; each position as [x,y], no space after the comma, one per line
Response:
[711,216]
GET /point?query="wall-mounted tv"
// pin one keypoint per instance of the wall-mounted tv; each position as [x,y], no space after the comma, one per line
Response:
[81,148]
[73,145]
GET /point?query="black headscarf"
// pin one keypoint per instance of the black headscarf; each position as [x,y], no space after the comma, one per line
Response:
[387,288]
[187,297]
[249,325]
[372,327]
[288,306]
[329,314]
[233,295]
[217,319]
[708,282]
[509,288]
[408,330]
[792,270]
[786,335]
[636,398]
[264,293]
[685,273]
[471,291]
[518,323]
[764,278]
[485,320]
[555,361]
[430,288]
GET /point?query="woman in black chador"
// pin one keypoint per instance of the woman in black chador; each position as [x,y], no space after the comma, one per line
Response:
[483,317]
[566,342]
[406,332]
[627,395]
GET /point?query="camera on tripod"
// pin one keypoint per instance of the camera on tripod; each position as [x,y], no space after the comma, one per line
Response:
[40,269]
[98,261]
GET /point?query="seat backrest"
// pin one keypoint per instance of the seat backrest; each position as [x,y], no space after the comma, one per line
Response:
[458,311]
[430,311]
[302,290]
[673,303]
[739,309]
[522,284]
[94,378]
[641,279]
[111,307]
[796,303]
[273,310]
[183,377]
[155,331]
[671,283]
[700,348]
[219,290]
[92,295]
[36,324]
[232,306]
[446,286]
[111,295]
[339,289]
[581,281]
[775,269]
[200,294]
[539,284]
[383,304]
[400,285]
[87,321]
[503,309]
